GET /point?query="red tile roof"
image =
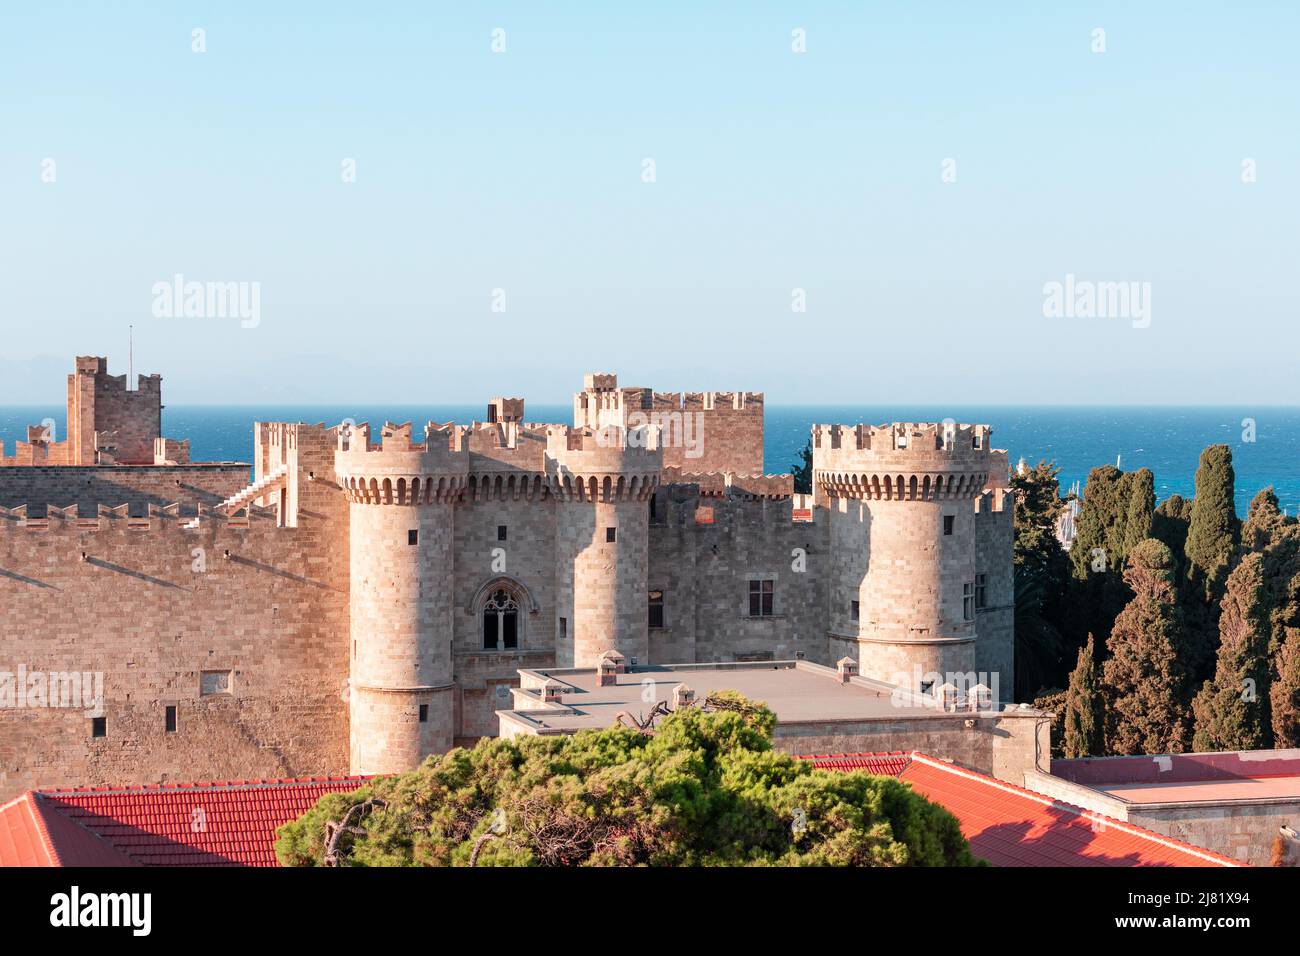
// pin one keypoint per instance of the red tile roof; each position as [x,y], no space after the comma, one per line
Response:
[202,824]
[1011,826]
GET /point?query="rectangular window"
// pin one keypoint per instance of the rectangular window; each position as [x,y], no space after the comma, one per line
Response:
[947,524]
[656,608]
[968,601]
[854,610]
[981,591]
[760,597]
[501,532]
[609,535]
[170,718]
[413,536]
[424,713]
[214,682]
[98,726]
[564,628]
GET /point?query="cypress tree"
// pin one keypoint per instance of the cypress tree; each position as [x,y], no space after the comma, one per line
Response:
[1144,681]
[1140,509]
[1263,521]
[1170,527]
[1085,708]
[1284,696]
[1103,509]
[1213,529]
[1232,711]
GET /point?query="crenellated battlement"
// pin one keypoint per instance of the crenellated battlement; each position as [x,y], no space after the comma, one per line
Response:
[748,487]
[607,464]
[905,461]
[177,516]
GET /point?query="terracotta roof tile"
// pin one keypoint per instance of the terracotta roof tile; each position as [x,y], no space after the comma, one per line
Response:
[230,823]
[1011,826]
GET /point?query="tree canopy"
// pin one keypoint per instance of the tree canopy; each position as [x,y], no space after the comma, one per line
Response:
[704,788]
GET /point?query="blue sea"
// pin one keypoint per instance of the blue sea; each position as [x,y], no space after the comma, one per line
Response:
[1168,440]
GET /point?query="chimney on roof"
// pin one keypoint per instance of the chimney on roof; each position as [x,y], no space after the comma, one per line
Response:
[847,668]
[683,696]
[612,663]
[980,698]
[552,692]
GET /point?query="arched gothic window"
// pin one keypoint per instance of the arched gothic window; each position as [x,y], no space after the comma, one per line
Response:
[500,621]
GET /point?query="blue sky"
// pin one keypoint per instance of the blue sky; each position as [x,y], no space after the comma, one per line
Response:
[775,171]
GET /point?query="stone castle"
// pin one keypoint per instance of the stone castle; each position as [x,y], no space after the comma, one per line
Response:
[368,596]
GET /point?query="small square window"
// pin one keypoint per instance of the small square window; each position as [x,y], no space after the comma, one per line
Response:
[501,532]
[948,521]
[99,726]
[413,536]
[214,682]
[610,535]
[169,718]
[424,713]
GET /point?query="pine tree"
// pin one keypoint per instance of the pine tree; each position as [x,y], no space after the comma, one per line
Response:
[1085,709]
[1232,711]
[1144,680]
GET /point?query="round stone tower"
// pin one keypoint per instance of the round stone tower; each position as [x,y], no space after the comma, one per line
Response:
[401,525]
[602,480]
[901,502]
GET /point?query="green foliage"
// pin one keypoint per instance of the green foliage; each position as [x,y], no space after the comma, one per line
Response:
[1264,522]
[1053,702]
[1084,730]
[1140,508]
[1100,523]
[1232,711]
[1041,575]
[802,470]
[1213,529]
[1284,696]
[705,789]
[1144,680]
[1169,526]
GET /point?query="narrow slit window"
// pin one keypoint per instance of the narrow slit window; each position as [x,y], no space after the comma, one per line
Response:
[169,718]
[656,605]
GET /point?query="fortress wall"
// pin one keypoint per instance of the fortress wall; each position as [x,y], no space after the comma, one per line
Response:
[995,622]
[527,557]
[724,431]
[152,613]
[704,571]
[138,486]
